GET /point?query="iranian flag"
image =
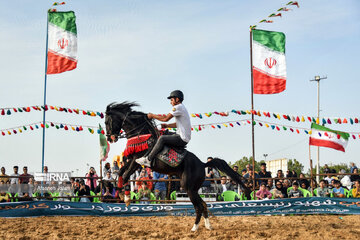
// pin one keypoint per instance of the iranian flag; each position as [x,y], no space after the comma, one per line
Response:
[62,42]
[269,66]
[325,137]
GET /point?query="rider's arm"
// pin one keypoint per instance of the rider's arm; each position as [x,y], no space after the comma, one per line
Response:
[161,118]
[170,125]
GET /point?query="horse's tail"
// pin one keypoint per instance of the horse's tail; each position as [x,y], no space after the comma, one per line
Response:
[224,167]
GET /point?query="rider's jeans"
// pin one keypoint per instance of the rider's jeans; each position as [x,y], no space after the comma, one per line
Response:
[170,140]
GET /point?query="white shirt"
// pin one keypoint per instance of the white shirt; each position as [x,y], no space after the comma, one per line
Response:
[182,120]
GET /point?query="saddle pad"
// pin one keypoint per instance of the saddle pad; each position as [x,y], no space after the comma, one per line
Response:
[172,157]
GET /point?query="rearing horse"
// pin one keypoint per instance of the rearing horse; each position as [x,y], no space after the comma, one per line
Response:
[191,170]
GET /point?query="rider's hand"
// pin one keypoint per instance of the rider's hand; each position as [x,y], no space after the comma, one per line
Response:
[150,116]
[164,125]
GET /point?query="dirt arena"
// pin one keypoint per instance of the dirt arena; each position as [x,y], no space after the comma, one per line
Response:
[261,227]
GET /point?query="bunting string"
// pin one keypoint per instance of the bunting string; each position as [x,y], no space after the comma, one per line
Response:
[257,113]
[196,128]
[278,13]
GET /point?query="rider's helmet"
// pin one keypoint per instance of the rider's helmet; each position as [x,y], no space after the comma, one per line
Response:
[176,94]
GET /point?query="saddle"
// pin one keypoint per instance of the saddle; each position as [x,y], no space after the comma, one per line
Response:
[172,156]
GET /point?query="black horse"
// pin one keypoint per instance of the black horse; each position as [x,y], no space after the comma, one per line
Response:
[191,171]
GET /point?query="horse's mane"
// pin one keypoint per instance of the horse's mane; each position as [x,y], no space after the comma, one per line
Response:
[122,107]
[126,108]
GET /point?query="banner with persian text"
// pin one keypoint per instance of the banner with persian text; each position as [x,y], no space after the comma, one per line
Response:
[313,205]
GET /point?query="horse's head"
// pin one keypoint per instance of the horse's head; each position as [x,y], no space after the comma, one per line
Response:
[115,117]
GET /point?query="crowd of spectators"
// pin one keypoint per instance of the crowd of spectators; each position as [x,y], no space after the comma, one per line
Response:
[288,185]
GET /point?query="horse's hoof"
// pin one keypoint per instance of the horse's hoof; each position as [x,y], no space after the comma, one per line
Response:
[195,228]
[207,224]
[127,200]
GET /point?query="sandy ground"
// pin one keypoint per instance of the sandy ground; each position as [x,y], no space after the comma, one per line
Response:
[260,227]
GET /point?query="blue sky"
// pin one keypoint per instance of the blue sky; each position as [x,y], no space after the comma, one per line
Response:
[141,50]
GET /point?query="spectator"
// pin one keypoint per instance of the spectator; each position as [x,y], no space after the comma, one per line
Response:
[4,196]
[353,178]
[3,176]
[288,174]
[279,191]
[211,172]
[250,176]
[15,174]
[338,191]
[143,176]
[352,167]
[107,197]
[236,168]
[295,192]
[107,168]
[108,181]
[328,179]
[91,180]
[326,169]
[46,169]
[322,191]
[346,181]
[294,174]
[279,176]
[224,186]
[144,193]
[24,178]
[243,172]
[74,185]
[304,183]
[270,184]
[332,183]
[263,173]
[356,190]
[263,193]
[160,187]
[286,184]
[84,190]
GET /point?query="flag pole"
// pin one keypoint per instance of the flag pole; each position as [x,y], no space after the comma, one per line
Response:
[252,110]
[46,65]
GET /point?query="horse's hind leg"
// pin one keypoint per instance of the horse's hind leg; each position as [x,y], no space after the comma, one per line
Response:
[206,216]
[199,208]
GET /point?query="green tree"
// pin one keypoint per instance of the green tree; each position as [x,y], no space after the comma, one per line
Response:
[294,164]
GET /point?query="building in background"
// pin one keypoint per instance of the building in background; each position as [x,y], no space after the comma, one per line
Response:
[274,165]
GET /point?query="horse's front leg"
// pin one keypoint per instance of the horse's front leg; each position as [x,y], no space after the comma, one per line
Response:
[125,178]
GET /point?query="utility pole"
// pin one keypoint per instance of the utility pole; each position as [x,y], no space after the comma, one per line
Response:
[318,79]
[265,155]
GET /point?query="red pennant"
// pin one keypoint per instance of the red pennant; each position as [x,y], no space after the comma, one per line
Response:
[284,116]
[292,130]
[42,125]
[3,133]
[66,127]
[345,121]
[84,112]
[353,136]
[309,118]
[231,124]
[356,120]
[339,121]
[212,126]
[338,136]
[297,119]
[28,109]
[3,112]
[31,128]
[297,130]
[81,128]
[15,110]
[277,128]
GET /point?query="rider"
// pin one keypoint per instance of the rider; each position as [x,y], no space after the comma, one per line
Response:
[182,124]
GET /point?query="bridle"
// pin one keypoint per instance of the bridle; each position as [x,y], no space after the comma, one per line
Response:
[138,129]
